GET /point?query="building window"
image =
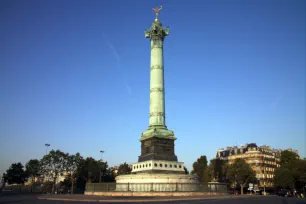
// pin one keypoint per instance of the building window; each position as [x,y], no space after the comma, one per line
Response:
[166,165]
[175,166]
[155,165]
[180,166]
[161,165]
[170,165]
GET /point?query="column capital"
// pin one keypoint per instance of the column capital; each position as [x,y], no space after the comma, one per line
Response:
[157,32]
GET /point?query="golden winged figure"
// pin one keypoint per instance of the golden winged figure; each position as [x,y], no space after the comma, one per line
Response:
[156,10]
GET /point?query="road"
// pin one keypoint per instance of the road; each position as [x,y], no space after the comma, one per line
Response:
[80,199]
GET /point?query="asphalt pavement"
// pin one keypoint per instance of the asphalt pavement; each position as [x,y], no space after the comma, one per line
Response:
[80,199]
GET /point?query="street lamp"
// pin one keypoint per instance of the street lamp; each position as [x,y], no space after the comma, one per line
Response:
[101,166]
[47,145]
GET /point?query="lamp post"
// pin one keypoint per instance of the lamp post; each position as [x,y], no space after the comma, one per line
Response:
[101,166]
[47,145]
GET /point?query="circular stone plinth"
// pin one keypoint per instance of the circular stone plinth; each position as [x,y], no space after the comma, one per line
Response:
[156,182]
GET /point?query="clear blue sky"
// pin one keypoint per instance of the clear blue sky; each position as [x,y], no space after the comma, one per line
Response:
[75,74]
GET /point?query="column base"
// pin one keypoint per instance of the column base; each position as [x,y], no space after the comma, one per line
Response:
[157,131]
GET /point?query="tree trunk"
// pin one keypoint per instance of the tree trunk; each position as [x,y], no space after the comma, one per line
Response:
[72,185]
[53,186]
[241,188]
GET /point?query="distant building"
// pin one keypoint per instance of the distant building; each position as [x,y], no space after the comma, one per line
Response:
[262,159]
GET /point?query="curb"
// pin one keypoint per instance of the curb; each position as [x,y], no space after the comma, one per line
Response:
[141,201]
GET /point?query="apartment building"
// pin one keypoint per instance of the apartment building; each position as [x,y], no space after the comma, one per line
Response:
[263,160]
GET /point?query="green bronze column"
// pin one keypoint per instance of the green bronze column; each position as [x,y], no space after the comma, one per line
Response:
[157,142]
[157,92]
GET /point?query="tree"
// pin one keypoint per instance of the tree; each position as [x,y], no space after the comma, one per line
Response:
[292,172]
[3,182]
[288,157]
[283,178]
[199,168]
[33,169]
[53,165]
[297,169]
[241,173]
[124,169]
[217,170]
[73,162]
[186,170]
[16,174]
[89,170]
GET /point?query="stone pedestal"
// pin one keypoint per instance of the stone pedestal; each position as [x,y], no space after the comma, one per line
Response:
[156,182]
[158,166]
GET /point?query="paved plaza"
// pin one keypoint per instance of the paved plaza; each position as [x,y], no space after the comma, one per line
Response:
[79,199]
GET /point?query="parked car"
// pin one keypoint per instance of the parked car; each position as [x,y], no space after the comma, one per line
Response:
[235,192]
[284,193]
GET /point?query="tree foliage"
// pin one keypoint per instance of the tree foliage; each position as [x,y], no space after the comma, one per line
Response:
[33,169]
[284,178]
[200,169]
[124,169]
[186,170]
[241,173]
[89,170]
[288,157]
[16,174]
[72,164]
[217,170]
[53,165]
[291,175]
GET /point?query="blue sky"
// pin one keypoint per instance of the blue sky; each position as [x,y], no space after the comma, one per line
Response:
[75,74]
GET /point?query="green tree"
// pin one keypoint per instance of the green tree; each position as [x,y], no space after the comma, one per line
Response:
[217,170]
[73,162]
[53,165]
[16,174]
[288,157]
[292,172]
[200,169]
[89,169]
[33,169]
[298,171]
[124,169]
[186,170]
[240,173]
[284,178]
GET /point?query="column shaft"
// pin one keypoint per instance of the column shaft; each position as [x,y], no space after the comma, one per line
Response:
[157,91]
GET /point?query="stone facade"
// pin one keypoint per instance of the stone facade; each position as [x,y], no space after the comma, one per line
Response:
[155,166]
[263,160]
[157,149]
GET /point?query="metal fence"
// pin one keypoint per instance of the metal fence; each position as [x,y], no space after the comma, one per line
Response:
[157,187]
[17,189]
